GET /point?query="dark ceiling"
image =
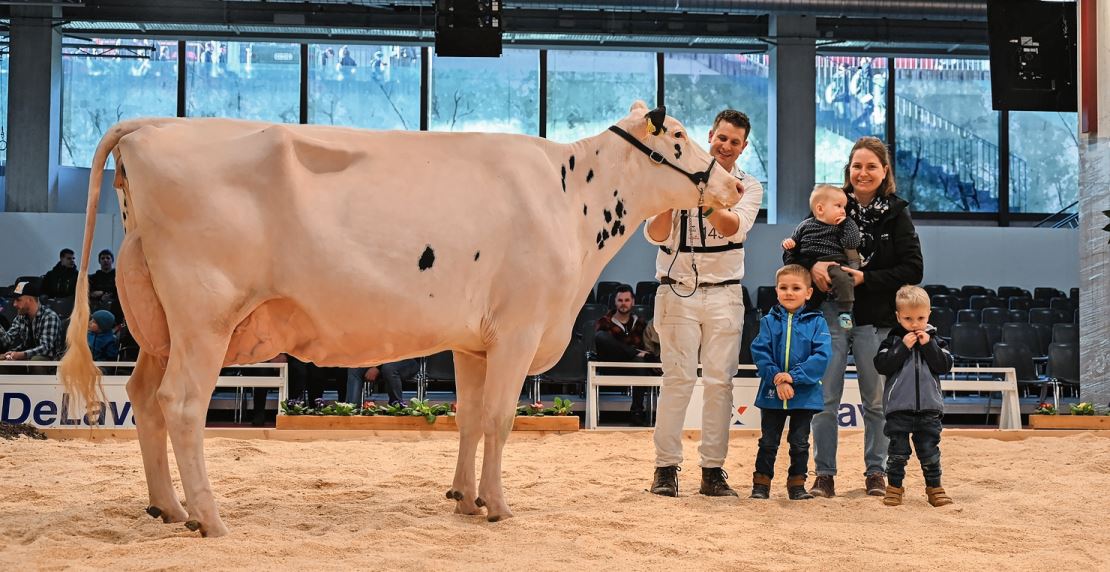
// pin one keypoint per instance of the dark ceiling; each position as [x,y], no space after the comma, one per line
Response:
[945,27]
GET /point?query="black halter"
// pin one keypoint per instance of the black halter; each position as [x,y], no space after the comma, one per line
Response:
[699,178]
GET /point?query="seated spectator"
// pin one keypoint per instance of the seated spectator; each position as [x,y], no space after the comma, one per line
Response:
[102,283]
[620,337]
[61,281]
[102,339]
[36,332]
[394,373]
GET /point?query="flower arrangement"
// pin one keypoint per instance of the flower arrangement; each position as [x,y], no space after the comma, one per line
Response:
[414,408]
[1085,408]
[561,407]
[1045,409]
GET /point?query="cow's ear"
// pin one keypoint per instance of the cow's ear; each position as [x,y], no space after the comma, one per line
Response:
[638,105]
[655,119]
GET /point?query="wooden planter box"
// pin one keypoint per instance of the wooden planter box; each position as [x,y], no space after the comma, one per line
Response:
[442,423]
[1069,422]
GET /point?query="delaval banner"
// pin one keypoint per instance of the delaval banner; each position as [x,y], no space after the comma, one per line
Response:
[40,400]
[745,415]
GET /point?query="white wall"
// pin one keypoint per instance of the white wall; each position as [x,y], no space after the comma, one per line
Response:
[954,256]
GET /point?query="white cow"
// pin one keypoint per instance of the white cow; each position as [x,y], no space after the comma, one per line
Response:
[345,247]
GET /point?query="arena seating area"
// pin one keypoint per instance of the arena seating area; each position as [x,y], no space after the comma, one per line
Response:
[1036,333]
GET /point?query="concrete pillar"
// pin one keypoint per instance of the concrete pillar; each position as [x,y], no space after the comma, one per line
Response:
[793,116]
[1094,198]
[34,109]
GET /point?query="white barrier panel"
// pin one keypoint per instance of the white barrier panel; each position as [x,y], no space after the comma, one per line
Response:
[40,400]
[745,414]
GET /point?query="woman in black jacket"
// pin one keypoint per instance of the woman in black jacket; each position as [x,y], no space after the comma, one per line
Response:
[891,254]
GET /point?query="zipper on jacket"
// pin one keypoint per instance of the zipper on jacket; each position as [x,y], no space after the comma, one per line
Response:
[917,380]
[786,360]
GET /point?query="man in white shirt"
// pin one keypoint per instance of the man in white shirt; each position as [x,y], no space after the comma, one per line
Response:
[700,304]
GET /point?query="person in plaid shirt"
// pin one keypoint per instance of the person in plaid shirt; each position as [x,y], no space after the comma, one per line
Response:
[36,333]
[620,337]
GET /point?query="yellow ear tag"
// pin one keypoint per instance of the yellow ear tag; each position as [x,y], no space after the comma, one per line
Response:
[651,126]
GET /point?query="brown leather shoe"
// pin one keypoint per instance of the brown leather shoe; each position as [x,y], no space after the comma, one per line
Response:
[796,488]
[876,484]
[823,487]
[937,496]
[714,483]
[893,495]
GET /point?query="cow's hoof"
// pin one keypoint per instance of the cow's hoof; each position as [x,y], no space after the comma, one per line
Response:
[478,501]
[495,518]
[192,525]
[154,511]
[454,495]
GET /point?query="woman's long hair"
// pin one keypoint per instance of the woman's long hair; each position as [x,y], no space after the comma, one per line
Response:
[876,146]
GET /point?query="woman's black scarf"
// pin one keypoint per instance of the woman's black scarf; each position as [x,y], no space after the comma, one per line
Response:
[867,218]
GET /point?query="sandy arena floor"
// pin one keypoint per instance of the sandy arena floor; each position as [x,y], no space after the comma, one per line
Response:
[580,503]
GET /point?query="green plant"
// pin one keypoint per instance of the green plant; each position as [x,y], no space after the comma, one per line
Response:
[561,407]
[1045,409]
[338,408]
[1084,408]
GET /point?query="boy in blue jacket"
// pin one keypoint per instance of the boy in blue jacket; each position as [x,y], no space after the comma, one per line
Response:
[790,353]
[102,340]
[912,358]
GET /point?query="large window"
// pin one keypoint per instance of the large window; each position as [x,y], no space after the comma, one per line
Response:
[947,135]
[243,80]
[698,86]
[1044,161]
[851,103]
[373,87]
[499,95]
[106,81]
[3,109]
[589,91]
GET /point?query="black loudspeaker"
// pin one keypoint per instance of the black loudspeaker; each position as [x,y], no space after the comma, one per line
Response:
[468,28]
[1033,55]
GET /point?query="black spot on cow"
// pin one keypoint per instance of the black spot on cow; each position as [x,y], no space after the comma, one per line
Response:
[616,228]
[564,178]
[584,210]
[621,229]
[608,216]
[596,151]
[620,209]
[614,192]
[571,161]
[677,151]
[590,176]
[476,255]
[427,259]
[604,234]
[599,239]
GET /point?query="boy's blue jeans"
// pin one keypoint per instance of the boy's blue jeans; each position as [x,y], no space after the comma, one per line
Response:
[772,422]
[924,429]
[865,344]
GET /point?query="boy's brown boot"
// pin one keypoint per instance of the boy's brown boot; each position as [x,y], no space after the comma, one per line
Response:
[761,486]
[893,495]
[796,488]
[937,496]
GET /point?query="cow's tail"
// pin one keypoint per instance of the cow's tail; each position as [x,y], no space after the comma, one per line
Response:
[78,373]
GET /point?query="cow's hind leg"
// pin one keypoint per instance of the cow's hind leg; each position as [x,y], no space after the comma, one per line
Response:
[470,373]
[506,368]
[142,388]
[194,365]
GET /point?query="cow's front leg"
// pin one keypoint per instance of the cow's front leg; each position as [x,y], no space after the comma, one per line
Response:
[470,373]
[505,372]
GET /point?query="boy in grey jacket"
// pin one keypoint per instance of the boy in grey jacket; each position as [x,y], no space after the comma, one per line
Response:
[911,358]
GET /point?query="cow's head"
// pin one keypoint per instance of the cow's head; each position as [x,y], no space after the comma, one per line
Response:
[676,161]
